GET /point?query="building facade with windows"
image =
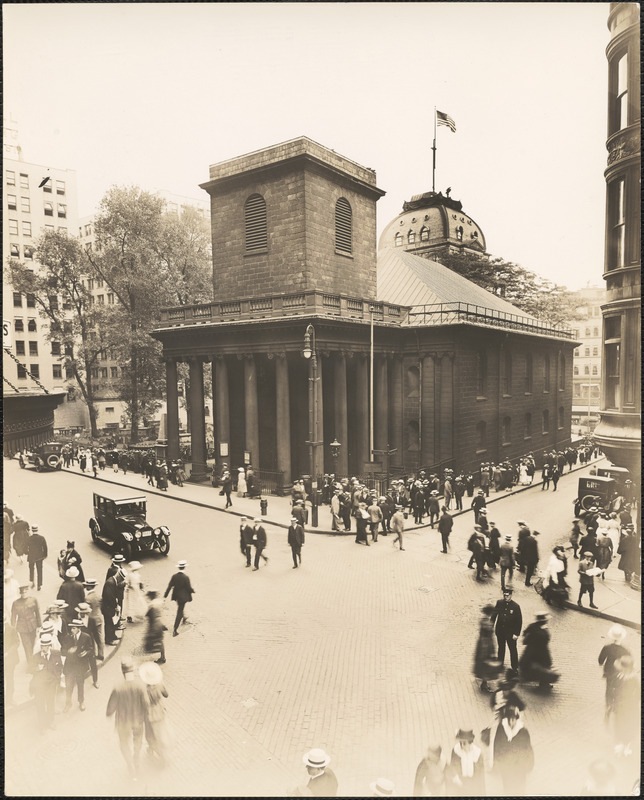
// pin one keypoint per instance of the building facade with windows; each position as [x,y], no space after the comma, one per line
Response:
[619,430]
[409,364]
[587,359]
[36,198]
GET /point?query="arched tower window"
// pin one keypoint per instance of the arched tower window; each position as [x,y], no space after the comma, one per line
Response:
[398,240]
[459,233]
[411,237]
[424,234]
[343,226]
[255,223]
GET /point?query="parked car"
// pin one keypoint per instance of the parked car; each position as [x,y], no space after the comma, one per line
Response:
[44,457]
[596,490]
[620,474]
[120,524]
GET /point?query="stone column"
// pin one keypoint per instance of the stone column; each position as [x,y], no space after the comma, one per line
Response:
[251,410]
[362,412]
[341,431]
[428,410]
[197,424]
[283,417]
[172,409]
[319,450]
[396,411]
[381,408]
[222,408]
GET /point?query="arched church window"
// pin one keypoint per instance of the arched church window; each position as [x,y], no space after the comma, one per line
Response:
[411,237]
[459,233]
[424,234]
[398,240]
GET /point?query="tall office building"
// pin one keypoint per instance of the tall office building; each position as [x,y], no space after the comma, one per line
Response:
[587,358]
[619,430]
[36,198]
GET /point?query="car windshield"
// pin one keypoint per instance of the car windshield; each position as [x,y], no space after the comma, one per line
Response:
[130,508]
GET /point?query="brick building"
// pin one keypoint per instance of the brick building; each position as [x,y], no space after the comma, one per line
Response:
[405,356]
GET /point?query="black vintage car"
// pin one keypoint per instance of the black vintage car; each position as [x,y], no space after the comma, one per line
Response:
[119,522]
[46,456]
[595,491]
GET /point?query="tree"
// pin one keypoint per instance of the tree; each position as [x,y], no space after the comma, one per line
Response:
[184,249]
[127,227]
[531,293]
[58,285]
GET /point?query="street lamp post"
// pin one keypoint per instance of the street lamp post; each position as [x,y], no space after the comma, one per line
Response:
[309,353]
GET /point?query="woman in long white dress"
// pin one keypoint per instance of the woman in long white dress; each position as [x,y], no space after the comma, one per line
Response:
[135,605]
[242,487]
[524,478]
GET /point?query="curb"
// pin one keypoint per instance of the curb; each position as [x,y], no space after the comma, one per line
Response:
[595,612]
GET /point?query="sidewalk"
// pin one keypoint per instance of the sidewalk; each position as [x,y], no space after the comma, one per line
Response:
[616,601]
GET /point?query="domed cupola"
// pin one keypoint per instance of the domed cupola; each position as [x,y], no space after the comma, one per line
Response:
[433,223]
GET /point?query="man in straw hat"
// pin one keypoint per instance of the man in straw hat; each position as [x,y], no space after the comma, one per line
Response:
[48,666]
[36,554]
[260,541]
[76,648]
[608,656]
[383,787]
[322,781]
[72,592]
[129,704]
[95,621]
[295,540]
[182,592]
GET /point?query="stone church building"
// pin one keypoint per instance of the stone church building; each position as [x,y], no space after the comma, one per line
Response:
[409,364]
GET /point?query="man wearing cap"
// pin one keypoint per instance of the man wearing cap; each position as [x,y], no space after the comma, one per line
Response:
[245,539]
[36,554]
[72,592]
[506,560]
[48,666]
[508,621]
[322,781]
[25,618]
[260,540]
[129,704]
[587,570]
[295,540]
[182,592]
[95,619]
[76,648]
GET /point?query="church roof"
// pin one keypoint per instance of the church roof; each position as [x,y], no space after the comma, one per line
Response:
[409,280]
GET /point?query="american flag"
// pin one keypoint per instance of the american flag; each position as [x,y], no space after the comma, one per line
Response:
[445,119]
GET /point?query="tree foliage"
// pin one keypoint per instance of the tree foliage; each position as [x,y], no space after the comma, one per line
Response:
[58,285]
[531,293]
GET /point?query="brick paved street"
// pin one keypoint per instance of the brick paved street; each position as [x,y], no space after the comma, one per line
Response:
[364,652]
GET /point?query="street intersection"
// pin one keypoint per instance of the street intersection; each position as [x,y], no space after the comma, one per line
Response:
[366,653]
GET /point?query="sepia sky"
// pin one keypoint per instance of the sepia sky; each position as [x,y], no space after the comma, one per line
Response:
[151,94]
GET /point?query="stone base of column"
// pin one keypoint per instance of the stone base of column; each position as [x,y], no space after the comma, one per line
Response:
[198,474]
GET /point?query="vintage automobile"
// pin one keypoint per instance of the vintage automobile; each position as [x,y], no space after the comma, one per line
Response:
[620,474]
[595,490]
[119,522]
[46,456]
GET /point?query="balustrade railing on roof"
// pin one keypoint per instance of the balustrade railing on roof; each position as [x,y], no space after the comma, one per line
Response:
[298,303]
[450,313]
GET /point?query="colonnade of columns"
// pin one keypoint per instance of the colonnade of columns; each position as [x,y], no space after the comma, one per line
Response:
[342,383]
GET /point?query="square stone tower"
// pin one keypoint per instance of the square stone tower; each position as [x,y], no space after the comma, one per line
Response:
[294,216]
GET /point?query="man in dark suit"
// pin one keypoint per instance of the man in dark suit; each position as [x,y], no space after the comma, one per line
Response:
[109,604]
[72,592]
[260,541]
[117,570]
[76,648]
[296,540]
[48,666]
[182,592]
[245,539]
[507,621]
[530,557]
[36,554]
[322,781]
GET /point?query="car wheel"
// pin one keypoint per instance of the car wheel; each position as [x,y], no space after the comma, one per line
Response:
[94,529]
[589,501]
[126,550]
[164,545]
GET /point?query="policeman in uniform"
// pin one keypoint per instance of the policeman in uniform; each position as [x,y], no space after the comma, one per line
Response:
[507,621]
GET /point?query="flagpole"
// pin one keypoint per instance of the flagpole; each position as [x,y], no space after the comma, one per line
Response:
[434,155]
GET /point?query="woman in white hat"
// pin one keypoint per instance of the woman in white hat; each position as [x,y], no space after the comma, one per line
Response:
[465,773]
[135,604]
[242,486]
